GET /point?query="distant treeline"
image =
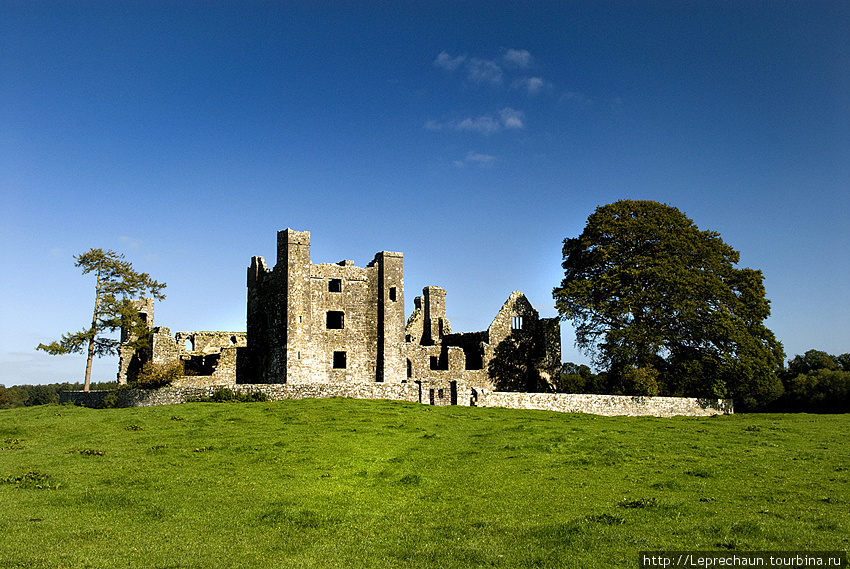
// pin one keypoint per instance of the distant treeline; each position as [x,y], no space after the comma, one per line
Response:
[816,382]
[28,395]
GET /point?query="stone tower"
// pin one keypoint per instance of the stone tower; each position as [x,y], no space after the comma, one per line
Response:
[326,323]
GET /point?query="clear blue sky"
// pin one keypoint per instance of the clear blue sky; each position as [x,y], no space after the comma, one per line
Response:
[474,137]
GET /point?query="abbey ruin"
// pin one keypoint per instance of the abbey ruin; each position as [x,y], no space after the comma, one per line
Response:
[337,323]
[339,330]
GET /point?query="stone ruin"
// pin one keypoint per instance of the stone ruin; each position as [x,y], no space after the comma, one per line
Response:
[339,324]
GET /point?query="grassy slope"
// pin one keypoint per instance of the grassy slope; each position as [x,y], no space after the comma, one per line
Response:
[344,483]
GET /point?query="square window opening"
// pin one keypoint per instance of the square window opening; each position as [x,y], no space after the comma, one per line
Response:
[335,320]
[335,285]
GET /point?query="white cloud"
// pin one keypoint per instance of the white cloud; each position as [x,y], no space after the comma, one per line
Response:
[531,85]
[448,62]
[434,125]
[477,70]
[507,118]
[512,118]
[518,57]
[476,158]
[485,125]
[484,71]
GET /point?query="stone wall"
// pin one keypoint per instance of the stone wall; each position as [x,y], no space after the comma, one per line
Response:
[275,392]
[609,405]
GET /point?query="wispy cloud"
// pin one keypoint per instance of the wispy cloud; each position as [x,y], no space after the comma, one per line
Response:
[484,71]
[517,57]
[449,63]
[532,85]
[485,125]
[477,159]
[511,68]
[507,118]
[512,118]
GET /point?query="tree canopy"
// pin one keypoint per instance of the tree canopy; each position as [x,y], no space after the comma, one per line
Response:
[648,290]
[115,285]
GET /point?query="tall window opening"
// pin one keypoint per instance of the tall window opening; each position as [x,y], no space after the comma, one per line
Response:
[440,362]
[392,294]
[336,320]
[516,323]
[339,360]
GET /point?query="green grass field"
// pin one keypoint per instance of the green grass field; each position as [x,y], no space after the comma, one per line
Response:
[348,483]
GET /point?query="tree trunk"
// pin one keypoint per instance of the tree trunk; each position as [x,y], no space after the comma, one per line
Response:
[88,363]
[90,357]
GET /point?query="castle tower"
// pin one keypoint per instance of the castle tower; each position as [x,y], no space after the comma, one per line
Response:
[324,323]
[391,361]
[131,359]
[435,323]
[293,262]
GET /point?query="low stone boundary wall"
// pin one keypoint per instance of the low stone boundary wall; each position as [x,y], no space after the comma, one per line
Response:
[609,405]
[175,395]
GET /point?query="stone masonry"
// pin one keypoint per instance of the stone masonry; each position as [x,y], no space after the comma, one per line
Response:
[336,329]
[326,323]
[339,323]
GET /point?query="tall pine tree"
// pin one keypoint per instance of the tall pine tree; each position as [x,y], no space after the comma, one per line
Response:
[116,284]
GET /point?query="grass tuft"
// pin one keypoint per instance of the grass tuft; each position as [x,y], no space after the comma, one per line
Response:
[33,481]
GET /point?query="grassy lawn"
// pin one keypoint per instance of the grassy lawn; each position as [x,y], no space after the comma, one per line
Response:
[352,483]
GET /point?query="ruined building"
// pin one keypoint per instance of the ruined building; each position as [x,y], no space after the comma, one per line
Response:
[336,323]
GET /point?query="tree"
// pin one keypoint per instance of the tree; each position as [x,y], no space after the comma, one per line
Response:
[816,381]
[116,284]
[516,363]
[646,289]
[811,361]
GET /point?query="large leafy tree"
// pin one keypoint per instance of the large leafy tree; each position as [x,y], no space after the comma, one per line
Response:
[116,285]
[517,360]
[646,289]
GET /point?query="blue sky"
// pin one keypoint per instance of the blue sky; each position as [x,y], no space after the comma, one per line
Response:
[474,137]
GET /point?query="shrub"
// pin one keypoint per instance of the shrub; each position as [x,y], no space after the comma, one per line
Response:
[111,401]
[637,381]
[156,375]
[225,395]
